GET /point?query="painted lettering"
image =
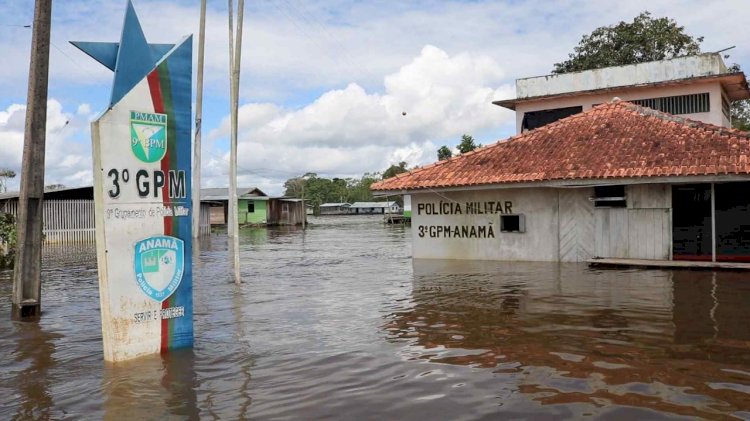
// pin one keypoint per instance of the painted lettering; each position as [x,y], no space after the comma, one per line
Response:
[456,231]
[177,184]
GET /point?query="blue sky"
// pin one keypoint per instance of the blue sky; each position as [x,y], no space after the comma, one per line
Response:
[325,83]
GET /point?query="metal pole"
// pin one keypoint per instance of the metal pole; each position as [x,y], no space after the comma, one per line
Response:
[234,65]
[198,123]
[27,282]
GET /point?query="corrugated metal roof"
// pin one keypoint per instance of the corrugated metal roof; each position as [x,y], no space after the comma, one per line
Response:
[222,193]
[16,194]
[334,205]
[372,204]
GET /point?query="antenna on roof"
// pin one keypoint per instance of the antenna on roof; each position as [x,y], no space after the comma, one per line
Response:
[721,51]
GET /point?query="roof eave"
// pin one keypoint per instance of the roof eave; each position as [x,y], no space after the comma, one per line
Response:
[572,183]
[734,84]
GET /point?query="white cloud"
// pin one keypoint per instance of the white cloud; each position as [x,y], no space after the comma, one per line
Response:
[348,131]
[67,160]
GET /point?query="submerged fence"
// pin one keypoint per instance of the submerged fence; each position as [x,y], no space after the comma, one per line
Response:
[72,221]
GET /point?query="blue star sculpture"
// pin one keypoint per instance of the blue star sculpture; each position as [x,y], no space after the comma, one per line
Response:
[131,59]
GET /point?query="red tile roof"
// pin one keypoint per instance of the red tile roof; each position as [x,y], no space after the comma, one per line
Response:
[613,140]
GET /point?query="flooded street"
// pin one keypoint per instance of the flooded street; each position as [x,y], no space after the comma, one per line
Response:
[338,322]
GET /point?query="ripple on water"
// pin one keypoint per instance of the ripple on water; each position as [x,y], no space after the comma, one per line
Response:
[338,322]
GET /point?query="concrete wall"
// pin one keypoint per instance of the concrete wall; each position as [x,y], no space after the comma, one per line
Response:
[538,243]
[715,116]
[561,225]
[613,77]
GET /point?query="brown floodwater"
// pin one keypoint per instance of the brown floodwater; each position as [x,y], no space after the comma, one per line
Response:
[338,322]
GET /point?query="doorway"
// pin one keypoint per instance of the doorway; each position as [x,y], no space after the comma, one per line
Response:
[691,222]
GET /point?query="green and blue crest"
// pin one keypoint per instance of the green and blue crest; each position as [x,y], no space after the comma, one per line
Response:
[148,136]
[159,265]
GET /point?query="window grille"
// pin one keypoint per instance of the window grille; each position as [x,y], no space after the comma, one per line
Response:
[679,104]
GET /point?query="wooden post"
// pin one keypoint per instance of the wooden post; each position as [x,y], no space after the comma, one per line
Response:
[198,124]
[27,283]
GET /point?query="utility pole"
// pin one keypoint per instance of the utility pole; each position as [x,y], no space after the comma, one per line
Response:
[27,282]
[198,124]
[235,53]
[304,207]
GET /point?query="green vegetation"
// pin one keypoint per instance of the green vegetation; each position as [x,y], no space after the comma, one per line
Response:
[644,39]
[394,170]
[466,144]
[7,240]
[444,153]
[318,190]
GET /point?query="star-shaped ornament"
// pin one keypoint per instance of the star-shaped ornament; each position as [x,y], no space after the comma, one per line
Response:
[131,59]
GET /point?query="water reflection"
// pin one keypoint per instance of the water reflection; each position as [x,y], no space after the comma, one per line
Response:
[337,322]
[567,334]
[35,349]
[152,387]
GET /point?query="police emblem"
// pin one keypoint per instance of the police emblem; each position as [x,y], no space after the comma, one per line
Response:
[159,265]
[148,136]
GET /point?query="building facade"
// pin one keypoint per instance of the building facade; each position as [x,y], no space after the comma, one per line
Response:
[697,87]
[616,181]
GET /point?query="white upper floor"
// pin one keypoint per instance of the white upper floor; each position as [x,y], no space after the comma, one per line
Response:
[698,87]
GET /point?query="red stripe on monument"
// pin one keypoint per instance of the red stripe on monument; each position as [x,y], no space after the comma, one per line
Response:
[154,87]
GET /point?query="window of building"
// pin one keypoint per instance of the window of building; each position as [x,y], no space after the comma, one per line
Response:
[609,197]
[250,207]
[534,119]
[513,223]
[285,207]
[679,104]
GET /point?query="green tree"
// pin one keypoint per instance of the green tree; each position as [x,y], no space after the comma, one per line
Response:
[741,115]
[467,144]
[740,111]
[395,169]
[444,153]
[645,39]
[5,174]
[7,240]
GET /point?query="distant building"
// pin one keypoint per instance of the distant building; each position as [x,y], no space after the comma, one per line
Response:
[374,208]
[251,205]
[286,211]
[335,208]
[68,214]
[610,179]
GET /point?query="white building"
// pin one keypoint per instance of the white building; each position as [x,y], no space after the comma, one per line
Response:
[613,180]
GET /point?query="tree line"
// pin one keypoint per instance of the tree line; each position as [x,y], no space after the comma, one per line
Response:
[317,190]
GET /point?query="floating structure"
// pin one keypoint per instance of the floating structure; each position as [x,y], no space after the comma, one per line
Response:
[335,208]
[615,180]
[374,208]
